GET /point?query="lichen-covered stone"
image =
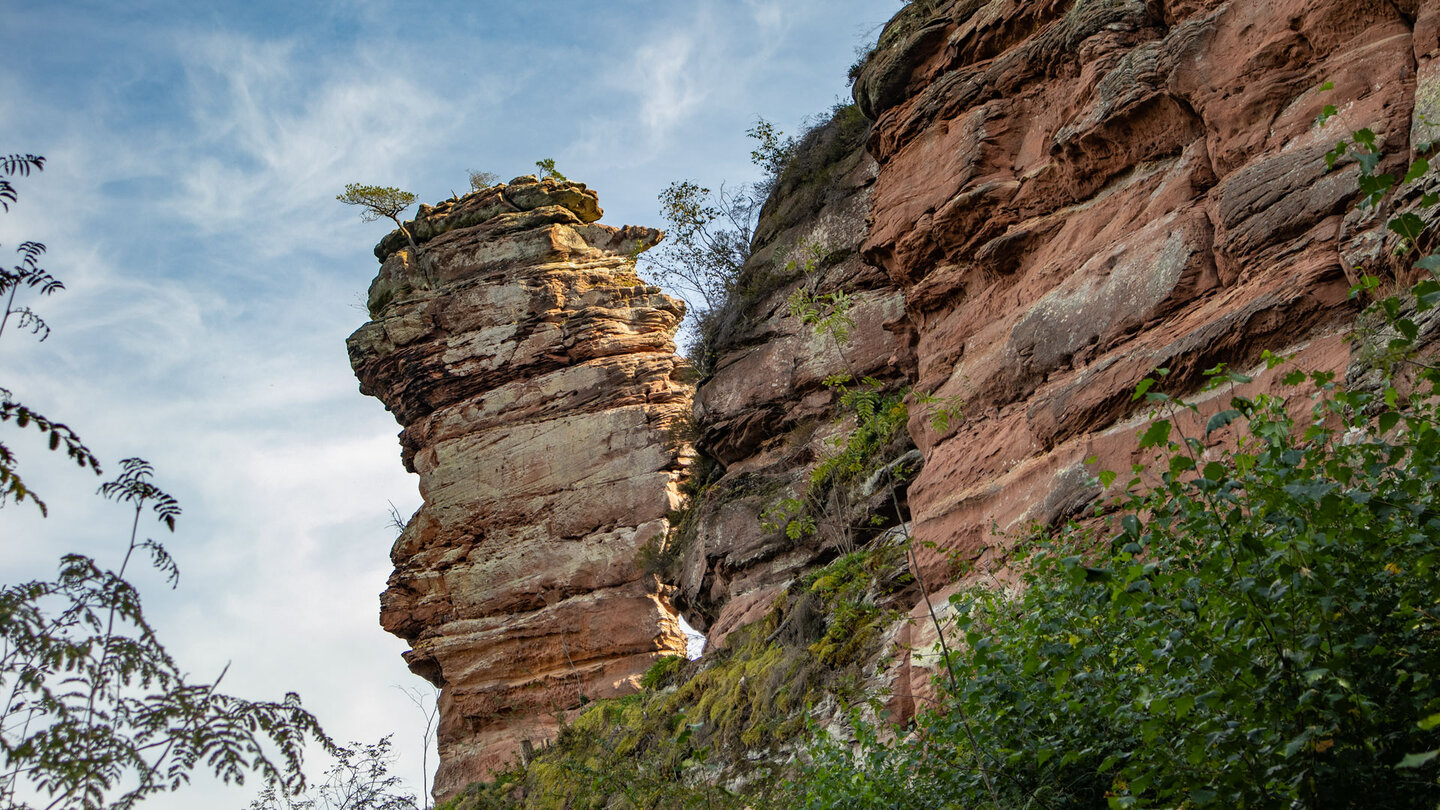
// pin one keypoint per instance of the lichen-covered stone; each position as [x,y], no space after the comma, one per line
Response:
[520,195]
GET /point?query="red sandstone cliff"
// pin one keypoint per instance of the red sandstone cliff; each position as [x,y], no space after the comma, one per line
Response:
[1074,193]
[536,380]
[764,414]
[1055,198]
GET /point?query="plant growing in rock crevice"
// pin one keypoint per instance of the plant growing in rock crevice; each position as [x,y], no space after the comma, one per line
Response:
[874,418]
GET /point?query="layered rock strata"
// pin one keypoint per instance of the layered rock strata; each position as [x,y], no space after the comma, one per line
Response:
[1072,193]
[536,379]
[764,413]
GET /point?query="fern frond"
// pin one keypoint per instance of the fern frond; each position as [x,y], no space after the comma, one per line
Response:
[21,165]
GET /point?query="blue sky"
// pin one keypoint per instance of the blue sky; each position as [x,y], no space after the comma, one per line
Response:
[195,150]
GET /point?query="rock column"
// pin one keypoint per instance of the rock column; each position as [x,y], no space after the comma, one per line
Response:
[536,379]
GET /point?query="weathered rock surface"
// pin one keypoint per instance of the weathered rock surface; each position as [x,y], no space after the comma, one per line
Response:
[1071,193]
[536,380]
[1056,197]
[764,414]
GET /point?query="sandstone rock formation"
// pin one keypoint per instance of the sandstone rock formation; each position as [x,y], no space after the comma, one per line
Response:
[764,414]
[536,380]
[1055,198]
[1064,196]
[1072,193]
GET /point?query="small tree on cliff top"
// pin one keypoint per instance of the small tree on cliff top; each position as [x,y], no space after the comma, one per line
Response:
[380,201]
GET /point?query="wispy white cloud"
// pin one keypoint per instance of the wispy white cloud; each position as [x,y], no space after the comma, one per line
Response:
[280,136]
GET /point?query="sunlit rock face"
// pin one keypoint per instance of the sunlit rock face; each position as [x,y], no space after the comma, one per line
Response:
[536,380]
[1071,193]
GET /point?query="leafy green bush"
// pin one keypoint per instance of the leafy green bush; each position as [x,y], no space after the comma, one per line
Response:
[1261,630]
[1258,630]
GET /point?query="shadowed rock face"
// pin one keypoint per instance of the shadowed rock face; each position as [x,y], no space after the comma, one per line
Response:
[1071,193]
[536,380]
[765,414]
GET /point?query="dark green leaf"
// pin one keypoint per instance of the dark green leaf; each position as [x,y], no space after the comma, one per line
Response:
[1157,434]
[1224,418]
[1409,225]
[1417,760]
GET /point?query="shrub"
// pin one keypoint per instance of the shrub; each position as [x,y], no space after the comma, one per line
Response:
[1257,630]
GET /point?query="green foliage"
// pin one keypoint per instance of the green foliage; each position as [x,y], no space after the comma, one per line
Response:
[855,620]
[479,181]
[879,418]
[826,313]
[1252,627]
[380,201]
[94,706]
[28,275]
[94,712]
[376,201]
[16,166]
[660,554]
[1257,631]
[709,237]
[862,58]
[547,169]
[789,516]
[941,411]
[707,241]
[57,435]
[772,151]
[359,779]
[663,672]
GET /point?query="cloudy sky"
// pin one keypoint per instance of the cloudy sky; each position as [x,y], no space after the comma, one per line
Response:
[195,150]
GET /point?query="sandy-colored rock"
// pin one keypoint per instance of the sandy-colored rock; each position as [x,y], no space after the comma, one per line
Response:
[536,380]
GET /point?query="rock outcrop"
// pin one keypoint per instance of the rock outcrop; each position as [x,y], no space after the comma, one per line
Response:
[1055,198]
[1072,193]
[765,415]
[536,379]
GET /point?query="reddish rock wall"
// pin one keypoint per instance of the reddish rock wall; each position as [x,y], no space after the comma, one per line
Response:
[1058,196]
[536,380]
[764,413]
[1072,193]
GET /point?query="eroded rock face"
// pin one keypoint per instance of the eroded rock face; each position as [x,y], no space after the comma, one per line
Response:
[536,380]
[765,415]
[1072,193]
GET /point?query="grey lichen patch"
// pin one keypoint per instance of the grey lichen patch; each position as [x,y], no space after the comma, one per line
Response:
[1109,295]
[1425,124]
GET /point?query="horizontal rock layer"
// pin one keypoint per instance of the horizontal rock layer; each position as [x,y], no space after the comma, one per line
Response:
[765,415]
[1071,193]
[535,377]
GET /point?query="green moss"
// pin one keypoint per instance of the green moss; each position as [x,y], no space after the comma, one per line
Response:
[663,672]
[660,748]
